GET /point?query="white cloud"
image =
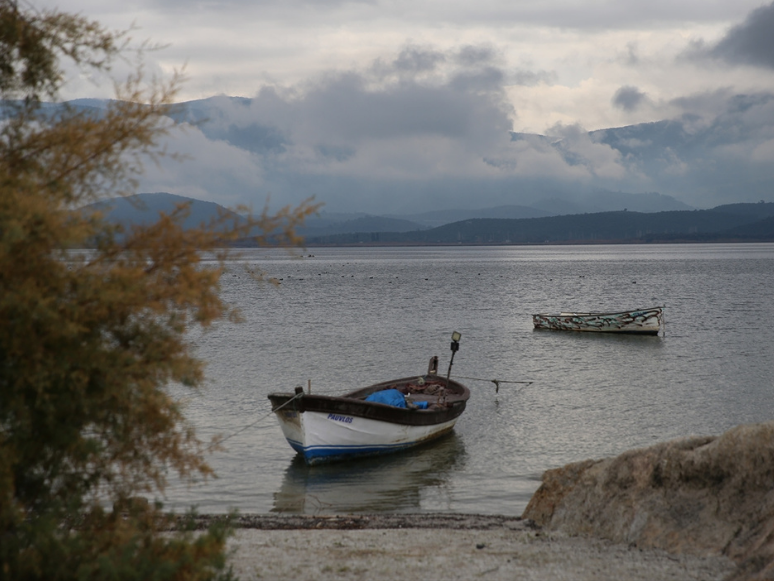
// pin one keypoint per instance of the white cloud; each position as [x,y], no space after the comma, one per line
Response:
[208,169]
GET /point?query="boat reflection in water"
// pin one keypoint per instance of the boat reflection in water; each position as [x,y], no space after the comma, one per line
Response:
[410,481]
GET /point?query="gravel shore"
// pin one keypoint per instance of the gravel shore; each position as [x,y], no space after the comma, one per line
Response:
[442,547]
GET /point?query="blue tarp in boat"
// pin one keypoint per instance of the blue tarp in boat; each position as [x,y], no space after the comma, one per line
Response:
[394,398]
[388,396]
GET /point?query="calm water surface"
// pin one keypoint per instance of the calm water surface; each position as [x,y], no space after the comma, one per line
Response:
[345,318]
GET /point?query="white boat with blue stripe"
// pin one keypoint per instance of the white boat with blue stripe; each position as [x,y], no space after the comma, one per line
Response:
[379,419]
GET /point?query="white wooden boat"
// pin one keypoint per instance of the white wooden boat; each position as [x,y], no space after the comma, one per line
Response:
[324,428]
[639,322]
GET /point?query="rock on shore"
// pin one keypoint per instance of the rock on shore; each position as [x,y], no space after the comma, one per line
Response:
[699,495]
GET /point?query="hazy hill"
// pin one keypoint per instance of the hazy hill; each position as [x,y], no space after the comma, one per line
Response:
[327,224]
[606,201]
[360,224]
[440,217]
[144,209]
[761,209]
[734,221]
[558,207]
[611,227]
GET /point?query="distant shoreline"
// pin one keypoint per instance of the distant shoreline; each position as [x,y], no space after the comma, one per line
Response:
[510,244]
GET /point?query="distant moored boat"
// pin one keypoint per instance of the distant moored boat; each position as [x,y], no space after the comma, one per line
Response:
[638,322]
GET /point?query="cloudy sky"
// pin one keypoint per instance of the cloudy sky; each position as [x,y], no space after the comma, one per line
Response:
[397,105]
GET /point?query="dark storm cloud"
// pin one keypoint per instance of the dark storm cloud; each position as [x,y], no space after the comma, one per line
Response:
[475,55]
[345,108]
[335,152]
[527,78]
[430,95]
[628,98]
[487,79]
[416,59]
[256,138]
[749,43]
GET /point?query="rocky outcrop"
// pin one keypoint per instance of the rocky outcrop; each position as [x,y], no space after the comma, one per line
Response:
[699,495]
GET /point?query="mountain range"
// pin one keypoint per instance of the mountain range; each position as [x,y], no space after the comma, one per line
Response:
[144,209]
[513,224]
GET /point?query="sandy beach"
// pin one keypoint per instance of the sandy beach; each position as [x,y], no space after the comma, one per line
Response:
[442,547]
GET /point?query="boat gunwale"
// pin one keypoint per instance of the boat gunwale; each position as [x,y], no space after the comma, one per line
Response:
[599,313]
[358,407]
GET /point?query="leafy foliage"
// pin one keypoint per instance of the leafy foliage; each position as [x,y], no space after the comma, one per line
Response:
[89,338]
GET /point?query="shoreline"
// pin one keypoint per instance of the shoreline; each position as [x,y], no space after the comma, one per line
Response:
[377,521]
[441,546]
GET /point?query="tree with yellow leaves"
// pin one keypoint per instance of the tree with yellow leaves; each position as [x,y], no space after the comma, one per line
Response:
[89,339]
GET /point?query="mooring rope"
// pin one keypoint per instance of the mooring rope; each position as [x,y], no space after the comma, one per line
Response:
[497,382]
[248,426]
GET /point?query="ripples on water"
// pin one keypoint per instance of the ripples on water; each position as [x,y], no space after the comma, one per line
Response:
[346,318]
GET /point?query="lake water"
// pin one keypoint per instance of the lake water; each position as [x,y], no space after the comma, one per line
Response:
[345,318]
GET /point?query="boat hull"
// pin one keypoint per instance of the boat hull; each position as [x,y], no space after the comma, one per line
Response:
[639,322]
[326,437]
[325,428]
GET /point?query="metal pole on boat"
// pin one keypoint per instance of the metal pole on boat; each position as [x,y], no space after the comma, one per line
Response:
[455,346]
